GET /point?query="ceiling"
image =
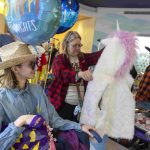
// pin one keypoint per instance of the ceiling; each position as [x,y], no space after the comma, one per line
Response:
[117,3]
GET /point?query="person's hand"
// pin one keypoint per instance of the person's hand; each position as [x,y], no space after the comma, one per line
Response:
[85,75]
[86,128]
[23,120]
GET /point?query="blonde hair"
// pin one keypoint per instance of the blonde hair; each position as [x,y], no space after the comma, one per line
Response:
[8,79]
[69,37]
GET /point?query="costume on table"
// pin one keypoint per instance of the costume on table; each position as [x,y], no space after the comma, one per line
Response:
[108,103]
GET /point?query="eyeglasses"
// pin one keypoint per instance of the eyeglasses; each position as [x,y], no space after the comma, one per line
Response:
[31,65]
[77,45]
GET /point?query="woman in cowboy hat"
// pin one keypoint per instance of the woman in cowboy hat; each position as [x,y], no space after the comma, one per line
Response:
[21,101]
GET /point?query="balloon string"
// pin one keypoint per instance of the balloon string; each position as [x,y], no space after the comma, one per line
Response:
[18,6]
[22,7]
[10,8]
[48,62]
[29,5]
[37,6]
[36,68]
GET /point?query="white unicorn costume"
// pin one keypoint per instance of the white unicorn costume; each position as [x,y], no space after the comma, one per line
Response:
[109,105]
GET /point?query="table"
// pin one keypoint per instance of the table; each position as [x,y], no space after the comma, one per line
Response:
[140,128]
[112,145]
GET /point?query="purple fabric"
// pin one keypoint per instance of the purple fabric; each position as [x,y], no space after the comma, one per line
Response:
[140,134]
[39,124]
[41,135]
[42,138]
[67,140]
[73,140]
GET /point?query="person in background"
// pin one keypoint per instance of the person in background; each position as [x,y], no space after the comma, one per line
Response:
[143,93]
[70,68]
[20,101]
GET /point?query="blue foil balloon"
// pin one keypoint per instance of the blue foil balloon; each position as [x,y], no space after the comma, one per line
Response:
[33,21]
[70,10]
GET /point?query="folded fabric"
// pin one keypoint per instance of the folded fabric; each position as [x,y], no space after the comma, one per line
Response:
[72,140]
[36,136]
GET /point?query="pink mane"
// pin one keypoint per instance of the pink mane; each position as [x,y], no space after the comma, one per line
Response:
[128,40]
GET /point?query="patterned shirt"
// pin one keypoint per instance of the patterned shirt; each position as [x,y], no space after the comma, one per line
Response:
[72,97]
[143,93]
[64,75]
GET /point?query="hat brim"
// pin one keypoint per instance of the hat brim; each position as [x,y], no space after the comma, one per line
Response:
[16,61]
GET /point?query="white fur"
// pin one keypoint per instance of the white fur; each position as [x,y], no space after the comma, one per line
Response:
[116,117]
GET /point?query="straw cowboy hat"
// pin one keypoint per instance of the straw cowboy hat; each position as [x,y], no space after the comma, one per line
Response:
[16,53]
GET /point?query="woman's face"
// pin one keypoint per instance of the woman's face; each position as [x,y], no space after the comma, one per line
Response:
[26,70]
[73,48]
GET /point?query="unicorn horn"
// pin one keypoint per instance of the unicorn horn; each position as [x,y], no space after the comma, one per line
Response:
[118,28]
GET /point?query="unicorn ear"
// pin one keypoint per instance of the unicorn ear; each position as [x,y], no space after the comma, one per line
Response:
[117,23]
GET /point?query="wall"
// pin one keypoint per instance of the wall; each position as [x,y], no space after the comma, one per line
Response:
[2,24]
[106,21]
[2,21]
[85,27]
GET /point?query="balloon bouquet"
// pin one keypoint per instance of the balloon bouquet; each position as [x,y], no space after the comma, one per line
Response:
[35,22]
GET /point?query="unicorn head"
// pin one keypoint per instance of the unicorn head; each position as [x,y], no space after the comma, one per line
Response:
[125,42]
[117,23]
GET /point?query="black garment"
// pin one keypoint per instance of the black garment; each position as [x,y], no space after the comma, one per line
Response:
[53,53]
[5,39]
[133,72]
[67,112]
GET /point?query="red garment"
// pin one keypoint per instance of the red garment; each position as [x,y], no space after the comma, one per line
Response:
[64,74]
[143,93]
[41,61]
